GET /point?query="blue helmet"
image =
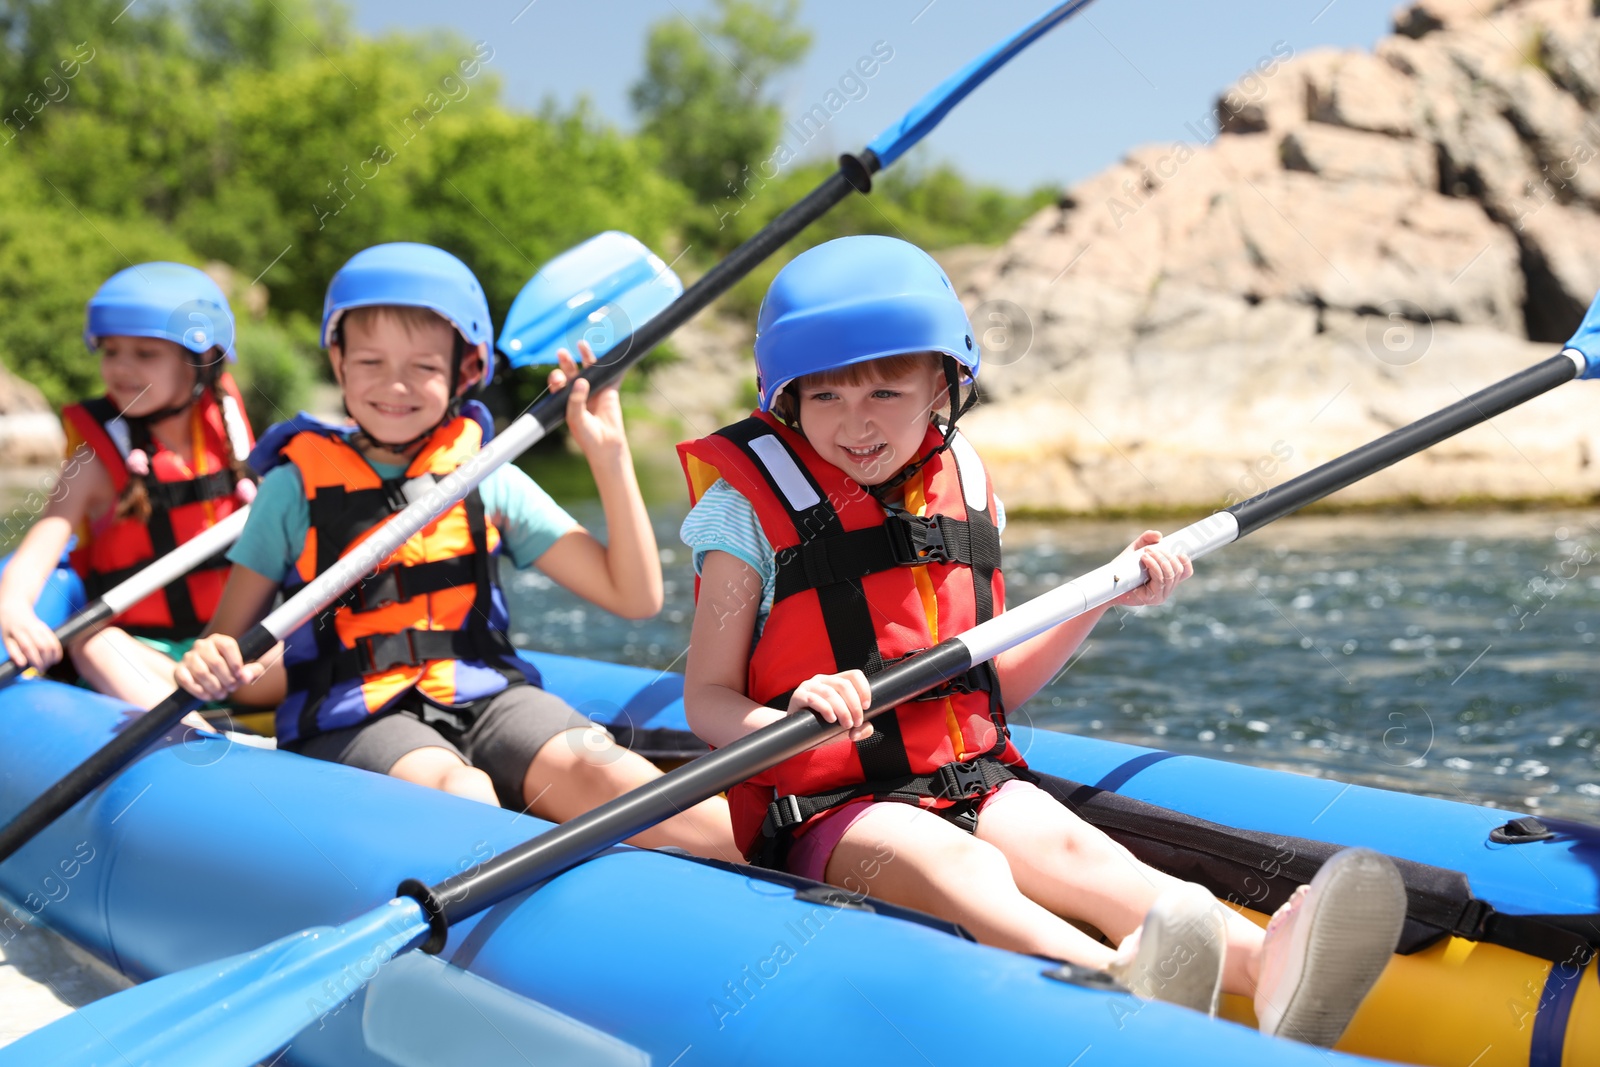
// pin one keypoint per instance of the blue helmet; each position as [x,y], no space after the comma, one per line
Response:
[857,299]
[405,274]
[172,301]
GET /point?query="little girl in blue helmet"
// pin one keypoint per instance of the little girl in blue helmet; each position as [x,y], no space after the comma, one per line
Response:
[847,525]
[412,673]
[151,464]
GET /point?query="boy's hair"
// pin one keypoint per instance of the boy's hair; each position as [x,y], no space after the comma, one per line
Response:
[410,318]
[786,405]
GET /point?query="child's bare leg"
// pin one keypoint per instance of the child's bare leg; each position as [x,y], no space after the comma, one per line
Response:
[441,769]
[582,768]
[1075,870]
[116,663]
[912,857]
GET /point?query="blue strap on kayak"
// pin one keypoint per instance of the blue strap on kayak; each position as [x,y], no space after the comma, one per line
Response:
[1118,776]
[1547,1045]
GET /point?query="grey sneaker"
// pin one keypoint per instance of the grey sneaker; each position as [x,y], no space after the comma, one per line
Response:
[1177,955]
[1326,947]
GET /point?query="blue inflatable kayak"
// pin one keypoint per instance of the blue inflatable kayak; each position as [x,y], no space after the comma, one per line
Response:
[205,848]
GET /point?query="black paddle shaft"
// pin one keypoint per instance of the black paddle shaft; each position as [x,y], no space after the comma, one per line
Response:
[91,617]
[581,838]
[1351,467]
[115,754]
[854,174]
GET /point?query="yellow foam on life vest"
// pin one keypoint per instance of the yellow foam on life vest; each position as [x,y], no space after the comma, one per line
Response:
[917,504]
[702,476]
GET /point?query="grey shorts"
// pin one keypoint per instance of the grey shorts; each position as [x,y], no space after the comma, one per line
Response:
[499,735]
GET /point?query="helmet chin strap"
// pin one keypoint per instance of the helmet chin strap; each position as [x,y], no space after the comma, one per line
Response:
[959,406]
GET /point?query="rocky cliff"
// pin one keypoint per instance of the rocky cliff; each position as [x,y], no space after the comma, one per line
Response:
[30,433]
[1351,241]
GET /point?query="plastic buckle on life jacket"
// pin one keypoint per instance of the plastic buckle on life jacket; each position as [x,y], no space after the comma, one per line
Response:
[917,539]
[782,814]
[961,780]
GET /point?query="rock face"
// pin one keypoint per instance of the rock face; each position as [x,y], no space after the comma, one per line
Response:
[1354,241]
[30,433]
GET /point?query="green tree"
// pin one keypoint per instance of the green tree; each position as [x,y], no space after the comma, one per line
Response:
[703,97]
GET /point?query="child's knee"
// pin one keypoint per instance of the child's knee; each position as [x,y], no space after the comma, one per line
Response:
[464,781]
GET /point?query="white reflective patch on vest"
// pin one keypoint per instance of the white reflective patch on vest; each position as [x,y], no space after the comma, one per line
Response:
[233,423]
[418,488]
[785,472]
[974,482]
[117,430]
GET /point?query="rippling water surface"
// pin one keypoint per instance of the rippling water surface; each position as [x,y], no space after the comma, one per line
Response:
[1451,654]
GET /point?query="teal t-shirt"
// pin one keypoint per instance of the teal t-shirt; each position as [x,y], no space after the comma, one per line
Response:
[275,534]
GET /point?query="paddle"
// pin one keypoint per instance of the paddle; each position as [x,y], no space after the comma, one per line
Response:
[854,173]
[324,965]
[157,575]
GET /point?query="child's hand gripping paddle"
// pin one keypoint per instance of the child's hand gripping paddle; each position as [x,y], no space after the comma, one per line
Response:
[158,574]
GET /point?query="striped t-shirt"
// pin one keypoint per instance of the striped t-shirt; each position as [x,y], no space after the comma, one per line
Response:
[723,520]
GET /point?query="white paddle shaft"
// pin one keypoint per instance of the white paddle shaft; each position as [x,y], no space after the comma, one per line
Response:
[174,565]
[1100,586]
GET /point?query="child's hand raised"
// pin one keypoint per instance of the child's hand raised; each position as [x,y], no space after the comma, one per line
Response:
[841,698]
[213,668]
[1165,569]
[29,642]
[595,421]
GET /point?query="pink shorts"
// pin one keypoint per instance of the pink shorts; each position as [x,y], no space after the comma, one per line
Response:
[813,846]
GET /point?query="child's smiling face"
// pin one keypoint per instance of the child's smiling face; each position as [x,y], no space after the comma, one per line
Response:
[396,375]
[144,375]
[873,427]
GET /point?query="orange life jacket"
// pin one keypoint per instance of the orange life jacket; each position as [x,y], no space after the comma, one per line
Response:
[184,501]
[432,616]
[859,587]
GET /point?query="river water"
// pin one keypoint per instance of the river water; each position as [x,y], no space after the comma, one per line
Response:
[1444,653]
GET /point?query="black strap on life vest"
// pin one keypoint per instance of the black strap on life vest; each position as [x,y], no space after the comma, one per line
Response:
[164,496]
[904,540]
[966,783]
[1260,871]
[836,554]
[339,516]
[404,648]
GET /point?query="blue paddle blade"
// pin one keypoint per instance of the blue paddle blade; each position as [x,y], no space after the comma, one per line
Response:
[599,292]
[230,1013]
[422,1012]
[914,125]
[1586,341]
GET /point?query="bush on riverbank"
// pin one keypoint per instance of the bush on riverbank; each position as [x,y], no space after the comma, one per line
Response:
[270,136]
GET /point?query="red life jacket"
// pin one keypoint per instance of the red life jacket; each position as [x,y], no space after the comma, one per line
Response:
[184,501]
[859,587]
[432,616]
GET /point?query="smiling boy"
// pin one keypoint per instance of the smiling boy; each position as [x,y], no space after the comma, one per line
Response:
[411,673]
